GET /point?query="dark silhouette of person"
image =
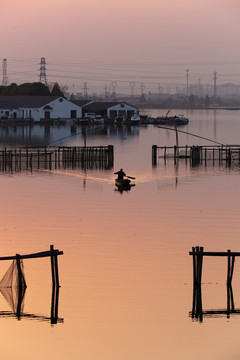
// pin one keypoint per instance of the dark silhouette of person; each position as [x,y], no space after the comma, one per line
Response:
[120,174]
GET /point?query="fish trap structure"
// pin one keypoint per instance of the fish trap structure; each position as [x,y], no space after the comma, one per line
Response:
[62,157]
[218,154]
[197,312]
[13,286]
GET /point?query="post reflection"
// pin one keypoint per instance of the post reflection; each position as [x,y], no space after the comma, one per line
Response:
[15,299]
[198,313]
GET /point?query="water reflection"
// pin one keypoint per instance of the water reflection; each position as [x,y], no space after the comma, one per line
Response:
[42,135]
[124,188]
[198,313]
[15,299]
[13,287]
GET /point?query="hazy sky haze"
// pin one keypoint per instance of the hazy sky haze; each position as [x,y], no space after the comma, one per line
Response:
[201,36]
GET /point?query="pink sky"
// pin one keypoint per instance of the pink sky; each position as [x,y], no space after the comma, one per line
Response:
[82,40]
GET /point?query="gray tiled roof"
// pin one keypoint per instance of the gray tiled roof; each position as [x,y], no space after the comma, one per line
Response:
[100,106]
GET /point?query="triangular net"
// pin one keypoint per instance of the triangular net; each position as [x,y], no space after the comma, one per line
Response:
[12,287]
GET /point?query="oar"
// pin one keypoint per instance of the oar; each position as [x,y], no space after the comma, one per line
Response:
[130,177]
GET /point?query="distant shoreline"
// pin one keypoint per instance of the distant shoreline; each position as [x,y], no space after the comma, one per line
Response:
[155,106]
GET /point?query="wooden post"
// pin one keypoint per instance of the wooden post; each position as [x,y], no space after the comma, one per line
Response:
[54,305]
[229,157]
[229,266]
[56,270]
[232,268]
[194,266]
[52,267]
[55,158]
[194,283]
[231,298]
[199,279]
[154,155]
[26,157]
[45,165]
[38,159]
[18,261]
[199,264]
[15,154]
[31,161]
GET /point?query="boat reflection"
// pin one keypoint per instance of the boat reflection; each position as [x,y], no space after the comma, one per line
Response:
[124,188]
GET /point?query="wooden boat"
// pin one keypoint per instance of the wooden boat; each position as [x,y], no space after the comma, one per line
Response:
[123,185]
[135,119]
[171,120]
[122,182]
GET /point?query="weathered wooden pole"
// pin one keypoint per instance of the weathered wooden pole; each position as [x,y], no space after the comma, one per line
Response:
[26,157]
[31,161]
[194,266]
[228,267]
[110,155]
[45,153]
[53,266]
[154,155]
[18,261]
[199,251]
[56,270]
[199,264]
[50,161]
[21,286]
[194,283]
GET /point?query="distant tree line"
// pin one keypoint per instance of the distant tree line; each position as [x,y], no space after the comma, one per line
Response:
[32,89]
[193,102]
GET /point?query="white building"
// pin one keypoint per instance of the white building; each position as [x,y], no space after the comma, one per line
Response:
[111,109]
[37,108]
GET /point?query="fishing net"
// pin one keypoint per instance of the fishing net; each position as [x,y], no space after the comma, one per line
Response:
[13,286]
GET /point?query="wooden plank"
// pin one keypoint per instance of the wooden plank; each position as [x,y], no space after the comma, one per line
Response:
[208,253]
[33,256]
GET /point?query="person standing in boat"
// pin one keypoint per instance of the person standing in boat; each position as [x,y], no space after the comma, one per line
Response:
[120,174]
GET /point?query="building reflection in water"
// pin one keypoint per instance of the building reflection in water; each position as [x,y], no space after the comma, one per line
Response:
[42,135]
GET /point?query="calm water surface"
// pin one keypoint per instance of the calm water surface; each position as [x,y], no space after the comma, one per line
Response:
[126,276]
